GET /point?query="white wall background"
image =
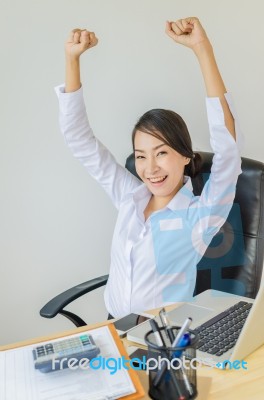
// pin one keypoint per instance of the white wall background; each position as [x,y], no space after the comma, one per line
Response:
[55,223]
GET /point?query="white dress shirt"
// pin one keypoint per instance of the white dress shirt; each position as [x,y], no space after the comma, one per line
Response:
[153,262]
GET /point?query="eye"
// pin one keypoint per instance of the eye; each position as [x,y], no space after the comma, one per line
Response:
[161,153]
[139,157]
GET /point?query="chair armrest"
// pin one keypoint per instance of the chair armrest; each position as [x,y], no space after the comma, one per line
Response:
[56,305]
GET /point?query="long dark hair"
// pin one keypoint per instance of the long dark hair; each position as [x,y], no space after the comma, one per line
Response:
[169,127]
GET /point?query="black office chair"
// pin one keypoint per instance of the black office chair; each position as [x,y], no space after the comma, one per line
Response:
[234,260]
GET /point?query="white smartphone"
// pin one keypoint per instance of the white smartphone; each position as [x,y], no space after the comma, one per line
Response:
[125,324]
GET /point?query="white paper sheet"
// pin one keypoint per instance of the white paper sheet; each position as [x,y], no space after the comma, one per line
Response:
[19,380]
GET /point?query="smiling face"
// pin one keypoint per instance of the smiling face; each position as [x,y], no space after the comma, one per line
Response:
[159,166]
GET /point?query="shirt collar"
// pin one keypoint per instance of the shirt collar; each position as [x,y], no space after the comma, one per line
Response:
[183,197]
[141,197]
[180,201]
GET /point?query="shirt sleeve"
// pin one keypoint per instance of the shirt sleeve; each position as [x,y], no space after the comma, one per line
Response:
[92,154]
[219,191]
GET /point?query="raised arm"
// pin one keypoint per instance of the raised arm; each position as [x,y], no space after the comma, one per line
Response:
[75,127]
[79,41]
[189,32]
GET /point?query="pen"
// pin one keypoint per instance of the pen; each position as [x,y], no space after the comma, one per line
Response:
[166,324]
[184,341]
[157,333]
[175,343]
[182,331]
[186,381]
[163,320]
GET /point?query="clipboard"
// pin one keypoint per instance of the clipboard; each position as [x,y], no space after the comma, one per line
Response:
[17,361]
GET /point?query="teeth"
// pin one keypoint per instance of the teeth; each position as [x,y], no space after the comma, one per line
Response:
[158,179]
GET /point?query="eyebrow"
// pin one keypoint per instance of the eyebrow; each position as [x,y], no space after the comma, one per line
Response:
[154,148]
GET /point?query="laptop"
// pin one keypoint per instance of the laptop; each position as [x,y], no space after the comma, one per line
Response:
[230,327]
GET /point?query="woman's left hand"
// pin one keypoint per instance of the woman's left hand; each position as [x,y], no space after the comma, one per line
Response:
[188,32]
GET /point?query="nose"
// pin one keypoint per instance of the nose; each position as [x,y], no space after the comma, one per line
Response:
[152,166]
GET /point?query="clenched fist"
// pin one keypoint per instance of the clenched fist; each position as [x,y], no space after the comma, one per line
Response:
[79,41]
[188,32]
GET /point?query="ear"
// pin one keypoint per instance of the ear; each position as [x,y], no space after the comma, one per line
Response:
[186,160]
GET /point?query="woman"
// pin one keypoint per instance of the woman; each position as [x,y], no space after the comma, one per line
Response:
[162,229]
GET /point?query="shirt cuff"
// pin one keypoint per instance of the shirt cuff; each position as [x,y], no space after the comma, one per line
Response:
[71,102]
[215,112]
[216,118]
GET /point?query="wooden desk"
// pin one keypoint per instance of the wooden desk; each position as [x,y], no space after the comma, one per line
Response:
[229,385]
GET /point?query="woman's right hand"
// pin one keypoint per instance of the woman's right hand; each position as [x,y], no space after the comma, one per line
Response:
[78,42]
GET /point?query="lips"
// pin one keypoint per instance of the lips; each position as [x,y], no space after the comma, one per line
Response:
[158,179]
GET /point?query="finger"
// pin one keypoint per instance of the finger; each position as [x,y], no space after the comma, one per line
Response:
[70,38]
[168,27]
[181,26]
[76,37]
[93,39]
[196,25]
[84,35]
[177,27]
[187,26]
[71,35]
[84,39]
[171,32]
[192,20]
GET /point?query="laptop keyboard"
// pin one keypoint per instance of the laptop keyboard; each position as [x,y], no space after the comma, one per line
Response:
[220,333]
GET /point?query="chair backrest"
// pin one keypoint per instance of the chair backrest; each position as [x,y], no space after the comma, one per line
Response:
[233,261]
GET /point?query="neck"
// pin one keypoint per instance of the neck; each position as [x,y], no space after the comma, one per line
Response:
[158,202]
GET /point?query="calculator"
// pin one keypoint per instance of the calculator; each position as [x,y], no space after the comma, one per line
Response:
[54,356]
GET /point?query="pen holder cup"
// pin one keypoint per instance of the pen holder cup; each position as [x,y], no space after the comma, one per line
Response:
[178,380]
